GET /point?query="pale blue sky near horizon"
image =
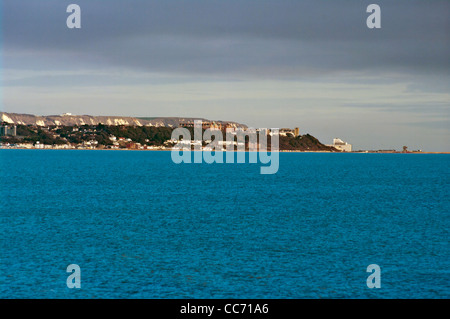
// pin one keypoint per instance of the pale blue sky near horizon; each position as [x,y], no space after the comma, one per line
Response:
[265,63]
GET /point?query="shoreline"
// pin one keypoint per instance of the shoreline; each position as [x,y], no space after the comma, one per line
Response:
[169,150]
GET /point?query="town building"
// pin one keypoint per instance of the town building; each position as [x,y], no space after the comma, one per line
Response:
[289,132]
[341,145]
[8,130]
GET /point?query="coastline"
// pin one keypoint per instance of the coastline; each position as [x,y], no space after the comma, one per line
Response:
[169,150]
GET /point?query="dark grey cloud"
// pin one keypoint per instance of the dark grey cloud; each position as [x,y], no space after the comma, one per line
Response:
[256,38]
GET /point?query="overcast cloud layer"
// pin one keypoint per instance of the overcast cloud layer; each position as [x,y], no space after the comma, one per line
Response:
[312,64]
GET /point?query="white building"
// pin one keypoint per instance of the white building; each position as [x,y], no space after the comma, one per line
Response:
[341,145]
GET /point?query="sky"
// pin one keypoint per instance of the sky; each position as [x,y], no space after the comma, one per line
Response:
[265,63]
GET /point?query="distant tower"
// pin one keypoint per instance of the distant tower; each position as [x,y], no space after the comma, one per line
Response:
[7,130]
[405,149]
[296,132]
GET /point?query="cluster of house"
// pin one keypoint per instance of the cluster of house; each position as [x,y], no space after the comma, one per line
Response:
[92,144]
[232,140]
[119,142]
[200,144]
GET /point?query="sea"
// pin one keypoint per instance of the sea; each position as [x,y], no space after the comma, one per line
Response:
[137,225]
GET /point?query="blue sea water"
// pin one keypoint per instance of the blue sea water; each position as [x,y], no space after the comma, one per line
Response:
[140,226]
